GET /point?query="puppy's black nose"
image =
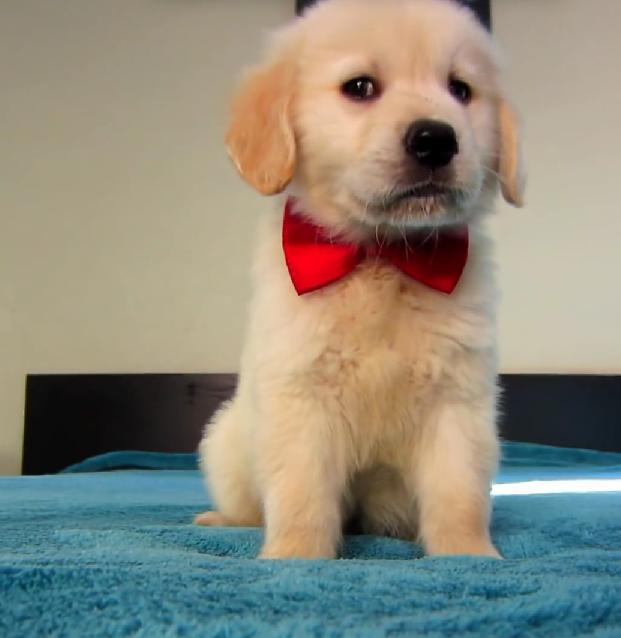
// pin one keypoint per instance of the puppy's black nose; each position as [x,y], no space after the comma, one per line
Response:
[432,144]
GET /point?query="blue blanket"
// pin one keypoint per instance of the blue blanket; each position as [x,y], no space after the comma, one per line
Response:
[113,553]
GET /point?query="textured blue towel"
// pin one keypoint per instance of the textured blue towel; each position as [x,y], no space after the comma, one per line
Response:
[114,554]
[132,459]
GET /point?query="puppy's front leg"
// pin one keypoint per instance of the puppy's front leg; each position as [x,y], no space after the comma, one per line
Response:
[303,468]
[453,471]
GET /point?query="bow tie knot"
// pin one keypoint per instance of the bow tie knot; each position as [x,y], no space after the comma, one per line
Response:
[314,260]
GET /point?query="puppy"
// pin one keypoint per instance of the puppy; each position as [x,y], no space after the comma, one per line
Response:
[368,378]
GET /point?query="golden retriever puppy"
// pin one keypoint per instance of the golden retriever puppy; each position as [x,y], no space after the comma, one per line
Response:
[368,379]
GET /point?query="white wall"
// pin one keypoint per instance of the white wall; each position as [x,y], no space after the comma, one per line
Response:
[125,235]
[560,257]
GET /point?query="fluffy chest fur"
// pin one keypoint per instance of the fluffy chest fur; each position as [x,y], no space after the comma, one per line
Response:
[377,345]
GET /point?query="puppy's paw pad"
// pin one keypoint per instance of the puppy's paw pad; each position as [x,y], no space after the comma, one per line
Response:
[210,519]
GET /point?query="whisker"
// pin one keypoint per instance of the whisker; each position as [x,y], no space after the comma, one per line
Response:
[408,248]
[489,154]
[496,174]
[432,232]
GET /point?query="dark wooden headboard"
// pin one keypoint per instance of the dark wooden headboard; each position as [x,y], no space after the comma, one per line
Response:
[480,7]
[71,417]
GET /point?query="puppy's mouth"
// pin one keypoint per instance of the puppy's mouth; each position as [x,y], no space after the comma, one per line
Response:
[426,197]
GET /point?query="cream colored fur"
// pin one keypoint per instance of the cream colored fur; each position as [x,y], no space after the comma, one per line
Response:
[374,394]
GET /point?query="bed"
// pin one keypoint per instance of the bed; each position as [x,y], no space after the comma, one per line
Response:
[108,549]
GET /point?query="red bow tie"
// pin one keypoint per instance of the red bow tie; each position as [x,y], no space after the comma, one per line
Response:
[314,261]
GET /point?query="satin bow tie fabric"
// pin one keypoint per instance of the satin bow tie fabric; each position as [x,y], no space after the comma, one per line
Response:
[314,260]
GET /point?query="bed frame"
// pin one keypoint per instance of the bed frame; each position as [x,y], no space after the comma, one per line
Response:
[71,417]
[480,7]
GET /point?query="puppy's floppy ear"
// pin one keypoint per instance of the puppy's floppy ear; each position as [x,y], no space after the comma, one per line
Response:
[510,168]
[260,139]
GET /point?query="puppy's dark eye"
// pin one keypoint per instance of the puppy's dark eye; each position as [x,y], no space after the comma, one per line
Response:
[460,90]
[361,88]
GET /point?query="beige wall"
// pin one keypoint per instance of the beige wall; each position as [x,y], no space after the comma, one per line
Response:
[125,235]
[560,257]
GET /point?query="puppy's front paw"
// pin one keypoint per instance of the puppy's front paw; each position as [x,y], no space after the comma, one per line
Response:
[492,552]
[297,546]
[211,519]
[464,547]
[483,549]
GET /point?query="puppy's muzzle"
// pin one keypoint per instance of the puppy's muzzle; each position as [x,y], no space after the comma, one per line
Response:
[431,143]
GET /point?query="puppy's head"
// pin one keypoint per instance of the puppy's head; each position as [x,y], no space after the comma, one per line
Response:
[379,113]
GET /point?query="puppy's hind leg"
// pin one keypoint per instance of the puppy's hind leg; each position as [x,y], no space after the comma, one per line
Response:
[225,460]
